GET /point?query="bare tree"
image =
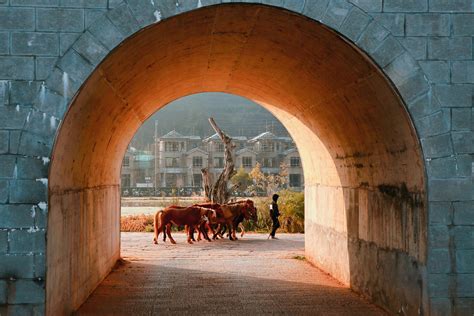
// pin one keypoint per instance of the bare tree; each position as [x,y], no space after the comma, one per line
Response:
[219,192]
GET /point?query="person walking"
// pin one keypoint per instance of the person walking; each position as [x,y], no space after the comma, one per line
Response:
[274,214]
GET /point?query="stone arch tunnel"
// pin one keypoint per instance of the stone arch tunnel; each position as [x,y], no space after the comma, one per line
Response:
[386,146]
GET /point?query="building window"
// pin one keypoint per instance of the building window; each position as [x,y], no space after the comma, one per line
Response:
[125,180]
[171,146]
[197,161]
[218,162]
[267,146]
[247,161]
[171,162]
[220,147]
[170,180]
[126,161]
[268,162]
[295,180]
[197,180]
[295,161]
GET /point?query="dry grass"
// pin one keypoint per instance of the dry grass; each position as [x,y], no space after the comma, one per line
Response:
[136,223]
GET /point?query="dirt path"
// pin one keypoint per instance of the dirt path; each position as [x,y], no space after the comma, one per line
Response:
[251,276]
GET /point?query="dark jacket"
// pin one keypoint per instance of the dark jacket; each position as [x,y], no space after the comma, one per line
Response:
[274,212]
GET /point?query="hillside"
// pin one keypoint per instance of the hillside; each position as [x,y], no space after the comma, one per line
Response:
[188,116]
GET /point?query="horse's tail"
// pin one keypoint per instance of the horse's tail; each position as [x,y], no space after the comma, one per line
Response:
[157,224]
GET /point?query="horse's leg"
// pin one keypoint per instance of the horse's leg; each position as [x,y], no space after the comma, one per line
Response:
[190,234]
[168,232]
[165,230]
[230,231]
[203,230]
[216,232]
[199,232]
[243,230]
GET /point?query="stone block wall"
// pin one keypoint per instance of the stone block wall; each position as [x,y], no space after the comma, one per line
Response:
[424,46]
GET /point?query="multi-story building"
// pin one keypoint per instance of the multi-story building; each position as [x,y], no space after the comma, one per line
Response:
[178,160]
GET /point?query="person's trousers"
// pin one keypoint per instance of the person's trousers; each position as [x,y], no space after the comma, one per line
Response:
[276,225]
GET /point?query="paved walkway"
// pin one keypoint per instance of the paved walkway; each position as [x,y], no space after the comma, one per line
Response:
[251,276]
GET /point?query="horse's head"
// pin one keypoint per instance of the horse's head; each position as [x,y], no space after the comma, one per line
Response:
[252,210]
[210,213]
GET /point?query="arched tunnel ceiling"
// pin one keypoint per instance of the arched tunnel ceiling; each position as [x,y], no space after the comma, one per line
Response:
[350,126]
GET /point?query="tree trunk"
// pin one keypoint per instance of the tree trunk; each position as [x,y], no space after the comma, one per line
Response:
[219,192]
[206,183]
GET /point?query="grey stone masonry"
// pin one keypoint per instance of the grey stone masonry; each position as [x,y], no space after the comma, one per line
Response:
[424,47]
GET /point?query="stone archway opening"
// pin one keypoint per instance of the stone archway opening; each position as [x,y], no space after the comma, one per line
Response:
[364,174]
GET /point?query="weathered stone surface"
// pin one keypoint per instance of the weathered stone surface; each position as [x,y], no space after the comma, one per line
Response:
[441,213]
[451,190]
[464,260]
[28,191]
[454,95]
[463,306]
[3,249]
[354,24]
[3,191]
[35,3]
[12,117]
[44,65]
[16,266]
[336,12]
[463,142]
[429,24]
[451,5]
[388,50]
[27,241]
[405,6]
[413,87]
[4,43]
[16,216]
[26,292]
[14,142]
[23,92]
[448,167]
[438,236]
[462,72]
[438,285]
[440,306]
[372,37]
[435,124]
[40,266]
[144,11]
[34,145]
[461,119]
[32,168]
[437,146]
[123,20]
[66,41]
[76,66]
[463,24]
[394,22]
[416,46]
[52,103]
[4,135]
[17,19]
[464,237]
[315,8]
[93,15]
[41,124]
[19,68]
[439,261]
[401,68]
[463,214]
[436,71]
[89,48]
[465,286]
[61,20]
[35,43]
[84,3]
[106,33]
[368,5]
[456,48]
[7,166]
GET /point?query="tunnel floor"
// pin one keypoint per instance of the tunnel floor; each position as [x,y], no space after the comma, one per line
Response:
[250,276]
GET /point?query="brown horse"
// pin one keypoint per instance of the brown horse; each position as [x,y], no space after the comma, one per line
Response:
[234,211]
[192,216]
